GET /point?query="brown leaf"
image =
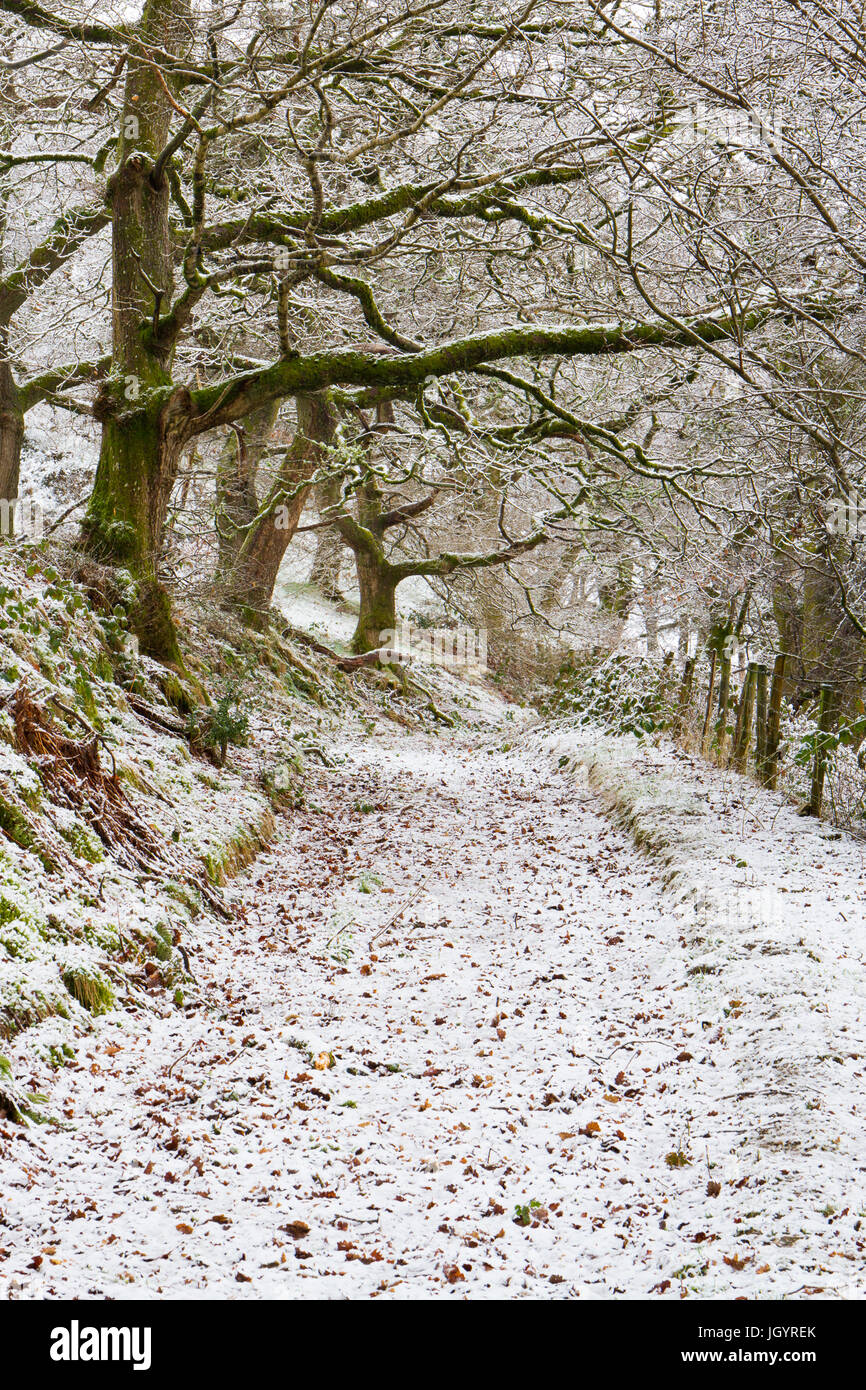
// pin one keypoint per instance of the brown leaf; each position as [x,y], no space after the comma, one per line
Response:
[713,1189]
[453,1273]
[737,1261]
[296,1229]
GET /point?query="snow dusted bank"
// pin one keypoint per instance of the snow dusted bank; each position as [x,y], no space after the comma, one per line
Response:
[771,906]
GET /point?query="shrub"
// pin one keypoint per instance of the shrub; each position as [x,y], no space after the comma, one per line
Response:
[624,694]
[210,730]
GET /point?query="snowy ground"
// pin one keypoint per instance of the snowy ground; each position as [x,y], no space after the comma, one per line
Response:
[454,990]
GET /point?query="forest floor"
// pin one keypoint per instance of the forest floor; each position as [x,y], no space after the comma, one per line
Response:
[454,1043]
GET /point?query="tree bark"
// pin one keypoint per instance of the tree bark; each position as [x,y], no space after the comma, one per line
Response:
[237,498]
[827,715]
[745,718]
[378,582]
[761,691]
[138,464]
[11,432]
[714,656]
[143,431]
[774,722]
[250,585]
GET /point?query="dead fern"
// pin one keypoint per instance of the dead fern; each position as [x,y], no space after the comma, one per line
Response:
[73,777]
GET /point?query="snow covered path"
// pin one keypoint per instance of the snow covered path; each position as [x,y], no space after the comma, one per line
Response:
[452,1048]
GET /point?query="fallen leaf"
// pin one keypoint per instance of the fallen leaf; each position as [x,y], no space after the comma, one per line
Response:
[737,1261]
[296,1229]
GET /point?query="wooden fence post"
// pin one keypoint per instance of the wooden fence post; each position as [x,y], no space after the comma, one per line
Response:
[774,722]
[761,722]
[745,717]
[709,709]
[827,705]
[685,696]
[724,697]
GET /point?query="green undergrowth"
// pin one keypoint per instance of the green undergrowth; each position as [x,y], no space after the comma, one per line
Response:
[622,693]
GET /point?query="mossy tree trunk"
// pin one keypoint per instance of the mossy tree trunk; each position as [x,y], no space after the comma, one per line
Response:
[11,430]
[145,424]
[377,577]
[11,412]
[377,581]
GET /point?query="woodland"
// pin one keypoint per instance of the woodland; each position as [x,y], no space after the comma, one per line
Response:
[432,648]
